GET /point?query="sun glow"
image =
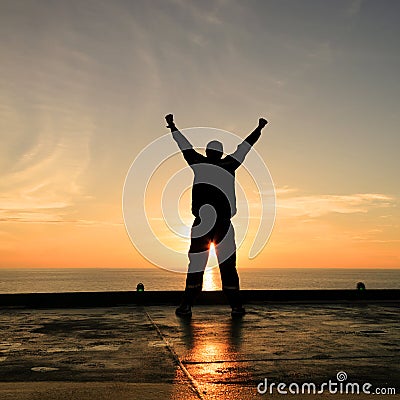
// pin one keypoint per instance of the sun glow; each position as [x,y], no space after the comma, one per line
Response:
[212,249]
[211,274]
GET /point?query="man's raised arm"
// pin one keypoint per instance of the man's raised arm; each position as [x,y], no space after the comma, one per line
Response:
[190,155]
[244,147]
[182,142]
[255,135]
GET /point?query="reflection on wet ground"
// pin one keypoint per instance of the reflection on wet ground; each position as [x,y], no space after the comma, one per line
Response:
[209,356]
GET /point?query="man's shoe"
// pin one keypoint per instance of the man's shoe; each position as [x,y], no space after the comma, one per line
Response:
[238,312]
[184,310]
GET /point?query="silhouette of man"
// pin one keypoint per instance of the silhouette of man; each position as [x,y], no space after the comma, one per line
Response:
[213,206]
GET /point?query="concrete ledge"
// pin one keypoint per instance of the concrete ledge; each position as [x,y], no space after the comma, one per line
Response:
[112,299]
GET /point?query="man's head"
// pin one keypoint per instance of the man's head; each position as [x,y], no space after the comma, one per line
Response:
[214,150]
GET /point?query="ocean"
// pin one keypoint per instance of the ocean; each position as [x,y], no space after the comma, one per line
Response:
[112,279]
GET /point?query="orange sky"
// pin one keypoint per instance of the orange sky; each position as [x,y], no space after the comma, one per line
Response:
[299,239]
[84,90]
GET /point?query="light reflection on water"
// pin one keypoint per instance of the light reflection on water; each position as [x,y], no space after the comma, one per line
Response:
[212,279]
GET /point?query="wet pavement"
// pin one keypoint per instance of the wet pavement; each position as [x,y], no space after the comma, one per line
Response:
[147,352]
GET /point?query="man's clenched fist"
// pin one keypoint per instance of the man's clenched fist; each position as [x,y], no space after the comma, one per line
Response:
[170,119]
[262,122]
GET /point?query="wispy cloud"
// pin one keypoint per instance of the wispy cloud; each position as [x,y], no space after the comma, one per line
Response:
[198,11]
[285,190]
[45,188]
[314,206]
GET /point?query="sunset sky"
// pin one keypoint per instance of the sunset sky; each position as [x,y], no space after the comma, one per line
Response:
[85,85]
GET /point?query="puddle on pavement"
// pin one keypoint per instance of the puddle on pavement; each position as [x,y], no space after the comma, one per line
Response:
[44,369]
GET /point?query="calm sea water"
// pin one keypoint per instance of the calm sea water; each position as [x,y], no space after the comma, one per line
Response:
[79,280]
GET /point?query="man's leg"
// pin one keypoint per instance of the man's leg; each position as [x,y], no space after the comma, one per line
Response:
[198,256]
[194,280]
[226,254]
